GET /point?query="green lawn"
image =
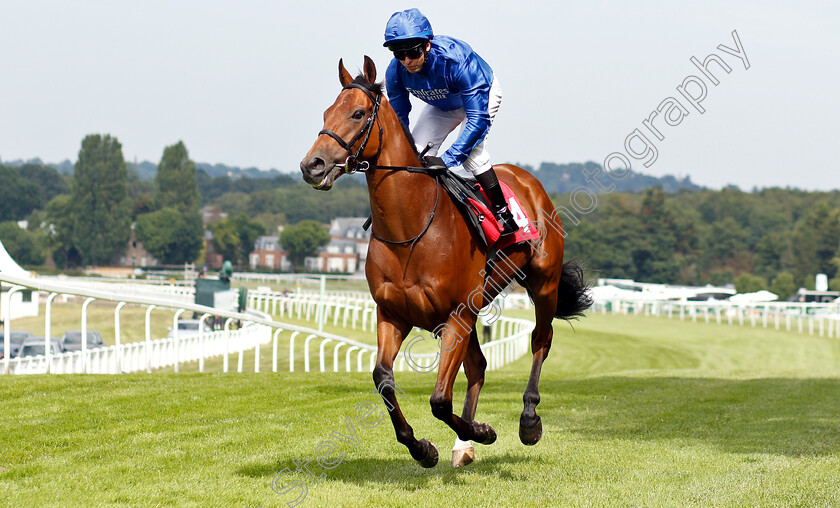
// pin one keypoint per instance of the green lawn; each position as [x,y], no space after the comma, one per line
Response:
[636,411]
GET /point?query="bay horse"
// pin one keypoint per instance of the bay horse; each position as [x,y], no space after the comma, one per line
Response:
[424,263]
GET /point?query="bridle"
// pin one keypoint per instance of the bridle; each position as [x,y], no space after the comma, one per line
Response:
[352,164]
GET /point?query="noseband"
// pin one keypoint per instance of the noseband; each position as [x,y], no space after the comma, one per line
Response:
[352,164]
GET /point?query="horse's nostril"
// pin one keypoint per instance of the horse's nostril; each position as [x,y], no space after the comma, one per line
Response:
[317,163]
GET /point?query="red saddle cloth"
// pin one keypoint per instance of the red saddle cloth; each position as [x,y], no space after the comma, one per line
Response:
[492,229]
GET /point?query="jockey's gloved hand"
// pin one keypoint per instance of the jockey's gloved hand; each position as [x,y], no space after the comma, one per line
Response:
[433,162]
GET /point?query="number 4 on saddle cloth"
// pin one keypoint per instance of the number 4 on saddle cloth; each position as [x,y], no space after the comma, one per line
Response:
[475,206]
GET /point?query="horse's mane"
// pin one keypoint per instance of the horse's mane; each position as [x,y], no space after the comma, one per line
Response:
[376,89]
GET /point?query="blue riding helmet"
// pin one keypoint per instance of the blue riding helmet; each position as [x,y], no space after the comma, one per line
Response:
[408,24]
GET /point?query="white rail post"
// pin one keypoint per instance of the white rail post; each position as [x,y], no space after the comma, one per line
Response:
[201,341]
[335,355]
[225,360]
[323,363]
[84,335]
[292,354]
[148,348]
[306,351]
[274,350]
[176,338]
[7,329]
[117,338]
[322,309]
[337,312]
[257,354]
[48,324]
[240,362]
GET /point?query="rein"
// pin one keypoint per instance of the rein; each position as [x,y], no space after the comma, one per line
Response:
[352,164]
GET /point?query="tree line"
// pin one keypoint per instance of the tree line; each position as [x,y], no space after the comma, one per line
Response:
[86,218]
[775,239]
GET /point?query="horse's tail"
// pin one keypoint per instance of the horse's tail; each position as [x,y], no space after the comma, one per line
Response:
[573,293]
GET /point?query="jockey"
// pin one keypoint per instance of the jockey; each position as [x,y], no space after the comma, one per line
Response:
[458,87]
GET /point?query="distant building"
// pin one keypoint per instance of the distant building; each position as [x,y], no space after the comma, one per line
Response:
[267,253]
[134,254]
[340,255]
[211,214]
[347,250]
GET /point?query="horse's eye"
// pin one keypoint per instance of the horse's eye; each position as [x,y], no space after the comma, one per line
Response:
[358,114]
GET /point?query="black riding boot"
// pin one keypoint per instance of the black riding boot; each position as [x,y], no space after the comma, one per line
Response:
[491,186]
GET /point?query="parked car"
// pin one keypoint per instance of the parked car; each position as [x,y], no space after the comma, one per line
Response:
[72,340]
[187,328]
[16,338]
[34,346]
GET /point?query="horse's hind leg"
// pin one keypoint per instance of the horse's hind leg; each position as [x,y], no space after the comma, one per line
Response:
[390,334]
[475,364]
[544,295]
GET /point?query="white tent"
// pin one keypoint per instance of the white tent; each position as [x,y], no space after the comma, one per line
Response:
[758,296]
[607,293]
[22,304]
[8,265]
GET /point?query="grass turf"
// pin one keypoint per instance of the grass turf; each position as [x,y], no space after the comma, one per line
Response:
[636,412]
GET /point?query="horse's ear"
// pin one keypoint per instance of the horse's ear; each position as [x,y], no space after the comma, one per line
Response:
[344,77]
[370,70]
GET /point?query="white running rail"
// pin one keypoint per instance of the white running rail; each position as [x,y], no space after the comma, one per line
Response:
[258,331]
[821,319]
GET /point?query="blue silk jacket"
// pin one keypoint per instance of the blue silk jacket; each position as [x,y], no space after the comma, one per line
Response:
[454,76]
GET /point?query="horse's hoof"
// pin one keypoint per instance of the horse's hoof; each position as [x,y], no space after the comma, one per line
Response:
[530,430]
[462,457]
[491,435]
[431,459]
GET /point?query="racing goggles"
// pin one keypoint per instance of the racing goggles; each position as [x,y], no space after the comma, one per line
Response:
[412,52]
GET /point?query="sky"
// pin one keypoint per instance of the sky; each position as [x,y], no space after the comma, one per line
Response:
[246,83]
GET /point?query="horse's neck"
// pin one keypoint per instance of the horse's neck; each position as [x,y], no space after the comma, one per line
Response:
[400,201]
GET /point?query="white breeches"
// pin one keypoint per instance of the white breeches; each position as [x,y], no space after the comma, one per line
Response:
[434,125]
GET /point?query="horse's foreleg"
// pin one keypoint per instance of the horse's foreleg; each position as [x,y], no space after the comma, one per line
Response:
[390,334]
[474,366]
[454,345]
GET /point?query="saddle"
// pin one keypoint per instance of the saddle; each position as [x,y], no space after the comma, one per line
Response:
[475,207]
